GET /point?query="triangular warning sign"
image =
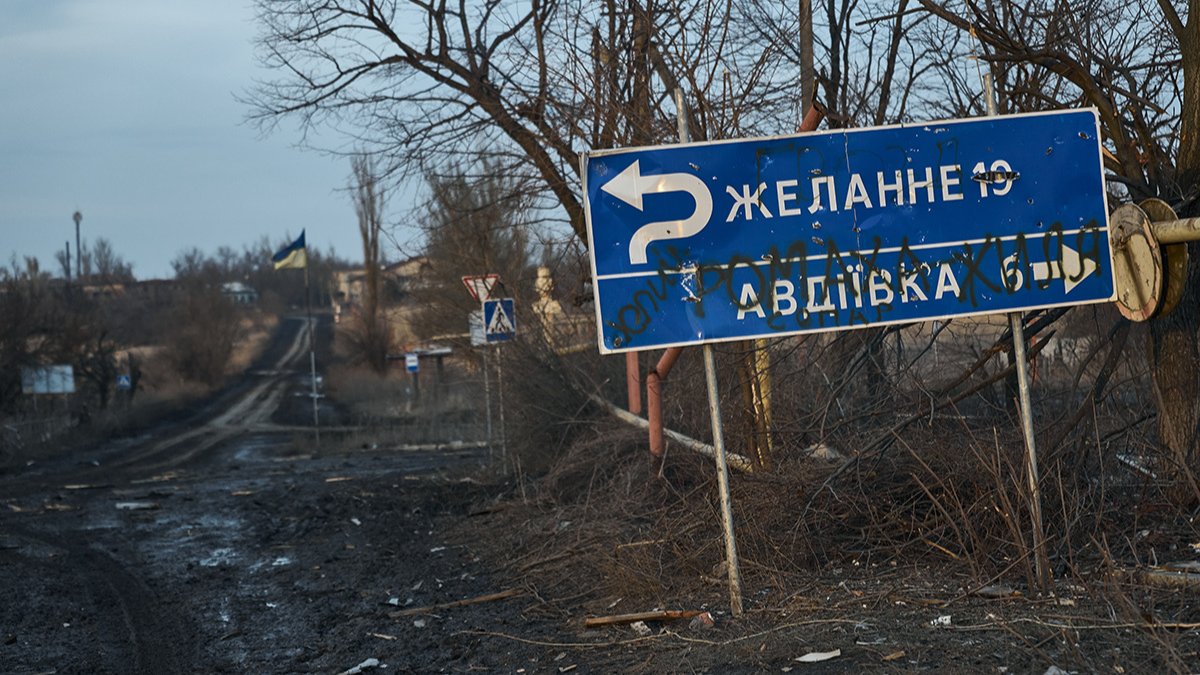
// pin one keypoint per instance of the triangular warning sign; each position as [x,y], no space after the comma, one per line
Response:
[501,324]
[480,286]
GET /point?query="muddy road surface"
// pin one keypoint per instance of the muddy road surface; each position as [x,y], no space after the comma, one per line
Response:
[228,541]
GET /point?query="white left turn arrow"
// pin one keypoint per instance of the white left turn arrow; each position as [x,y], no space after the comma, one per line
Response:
[630,185]
[1073,270]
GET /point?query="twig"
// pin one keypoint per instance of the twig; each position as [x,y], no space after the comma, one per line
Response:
[660,615]
[1070,626]
[571,645]
[512,592]
[885,439]
[548,559]
[657,636]
[644,542]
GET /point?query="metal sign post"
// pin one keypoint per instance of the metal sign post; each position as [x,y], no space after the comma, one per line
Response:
[1016,325]
[500,386]
[412,363]
[732,567]
[487,402]
[312,357]
[475,327]
[500,326]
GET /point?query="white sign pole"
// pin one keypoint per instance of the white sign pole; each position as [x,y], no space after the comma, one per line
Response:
[714,412]
[500,385]
[1041,563]
[487,398]
[312,356]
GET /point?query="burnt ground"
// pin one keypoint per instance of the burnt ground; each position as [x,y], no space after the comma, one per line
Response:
[228,541]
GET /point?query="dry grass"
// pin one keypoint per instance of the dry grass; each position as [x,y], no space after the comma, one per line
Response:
[254,331]
[919,532]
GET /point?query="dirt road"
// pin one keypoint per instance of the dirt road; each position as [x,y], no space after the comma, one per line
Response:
[226,542]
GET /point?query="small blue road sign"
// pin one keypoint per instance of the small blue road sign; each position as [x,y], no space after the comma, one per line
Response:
[499,319]
[412,362]
[124,383]
[842,229]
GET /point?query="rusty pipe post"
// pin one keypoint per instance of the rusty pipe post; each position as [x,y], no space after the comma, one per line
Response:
[654,380]
[633,382]
[816,113]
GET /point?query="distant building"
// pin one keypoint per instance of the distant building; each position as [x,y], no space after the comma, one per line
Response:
[239,293]
[155,291]
[349,286]
[97,291]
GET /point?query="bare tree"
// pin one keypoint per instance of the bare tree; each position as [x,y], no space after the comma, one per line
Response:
[110,267]
[476,223]
[1145,83]
[370,197]
[532,85]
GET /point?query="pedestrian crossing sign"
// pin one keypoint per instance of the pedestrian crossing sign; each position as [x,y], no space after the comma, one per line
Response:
[499,319]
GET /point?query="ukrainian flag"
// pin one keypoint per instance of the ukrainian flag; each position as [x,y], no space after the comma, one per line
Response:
[292,256]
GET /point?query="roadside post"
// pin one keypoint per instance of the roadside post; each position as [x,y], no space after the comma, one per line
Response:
[695,244]
[412,363]
[125,387]
[732,567]
[1021,360]
[478,339]
[500,326]
[493,324]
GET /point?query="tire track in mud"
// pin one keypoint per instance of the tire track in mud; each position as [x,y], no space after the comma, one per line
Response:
[153,640]
[249,409]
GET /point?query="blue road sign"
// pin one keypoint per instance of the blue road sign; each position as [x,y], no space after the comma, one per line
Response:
[124,383]
[499,319]
[412,362]
[844,229]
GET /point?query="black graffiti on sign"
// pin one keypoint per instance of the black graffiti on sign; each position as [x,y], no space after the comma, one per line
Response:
[809,285]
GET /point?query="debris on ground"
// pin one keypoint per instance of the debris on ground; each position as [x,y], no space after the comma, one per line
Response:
[137,506]
[817,657]
[996,591]
[641,628]
[702,621]
[365,665]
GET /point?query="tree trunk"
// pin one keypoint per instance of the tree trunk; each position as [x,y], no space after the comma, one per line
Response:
[1174,353]
[1175,366]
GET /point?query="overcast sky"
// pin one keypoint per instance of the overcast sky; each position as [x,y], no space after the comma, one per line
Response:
[125,111]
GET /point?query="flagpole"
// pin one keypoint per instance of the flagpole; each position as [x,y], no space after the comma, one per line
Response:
[312,353]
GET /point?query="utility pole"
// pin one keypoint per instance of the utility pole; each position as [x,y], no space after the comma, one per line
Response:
[78,217]
[808,75]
